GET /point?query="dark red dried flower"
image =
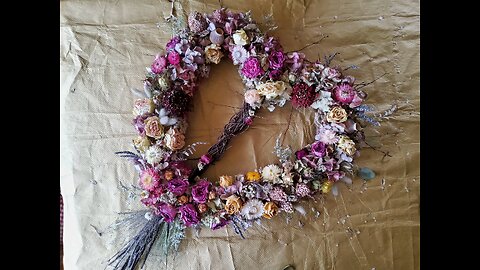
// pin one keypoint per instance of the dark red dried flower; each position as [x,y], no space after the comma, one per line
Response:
[176,102]
[303,95]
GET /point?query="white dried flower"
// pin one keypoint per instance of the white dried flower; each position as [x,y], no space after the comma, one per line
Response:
[271,173]
[154,154]
[253,209]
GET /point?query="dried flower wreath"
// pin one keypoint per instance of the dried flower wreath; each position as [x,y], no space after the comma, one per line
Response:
[175,194]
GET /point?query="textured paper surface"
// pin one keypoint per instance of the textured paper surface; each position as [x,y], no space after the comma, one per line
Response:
[104,49]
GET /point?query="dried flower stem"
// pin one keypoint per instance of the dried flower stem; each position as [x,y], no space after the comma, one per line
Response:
[234,127]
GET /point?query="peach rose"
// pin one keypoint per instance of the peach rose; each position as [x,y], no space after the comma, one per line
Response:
[337,115]
[174,139]
[270,209]
[226,181]
[153,128]
[272,89]
[213,54]
[143,106]
[252,97]
[233,204]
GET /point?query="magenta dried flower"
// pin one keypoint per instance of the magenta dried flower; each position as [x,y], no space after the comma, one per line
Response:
[200,191]
[174,58]
[176,102]
[167,211]
[189,214]
[206,159]
[251,68]
[318,149]
[276,59]
[303,95]
[177,186]
[159,64]
[196,22]
[219,223]
[344,93]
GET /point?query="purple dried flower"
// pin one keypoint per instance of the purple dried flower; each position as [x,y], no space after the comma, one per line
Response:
[275,74]
[272,44]
[217,225]
[196,22]
[344,93]
[277,194]
[189,214]
[181,168]
[303,95]
[276,59]
[287,207]
[177,186]
[206,159]
[159,64]
[167,211]
[171,44]
[296,60]
[302,190]
[318,149]
[251,68]
[335,175]
[200,191]
[176,102]
[219,16]
[301,153]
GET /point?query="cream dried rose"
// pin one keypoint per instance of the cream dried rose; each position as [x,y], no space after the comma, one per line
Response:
[141,143]
[241,38]
[271,90]
[337,115]
[233,204]
[270,209]
[143,106]
[174,139]
[153,128]
[213,54]
[347,145]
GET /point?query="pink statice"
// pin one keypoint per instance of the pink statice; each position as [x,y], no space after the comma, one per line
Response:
[159,64]
[174,58]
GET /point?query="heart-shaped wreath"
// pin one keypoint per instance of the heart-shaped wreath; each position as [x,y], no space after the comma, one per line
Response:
[174,193]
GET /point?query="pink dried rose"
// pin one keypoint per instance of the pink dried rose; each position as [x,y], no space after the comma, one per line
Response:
[174,58]
[159,64]
[149,179]
[251,68]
